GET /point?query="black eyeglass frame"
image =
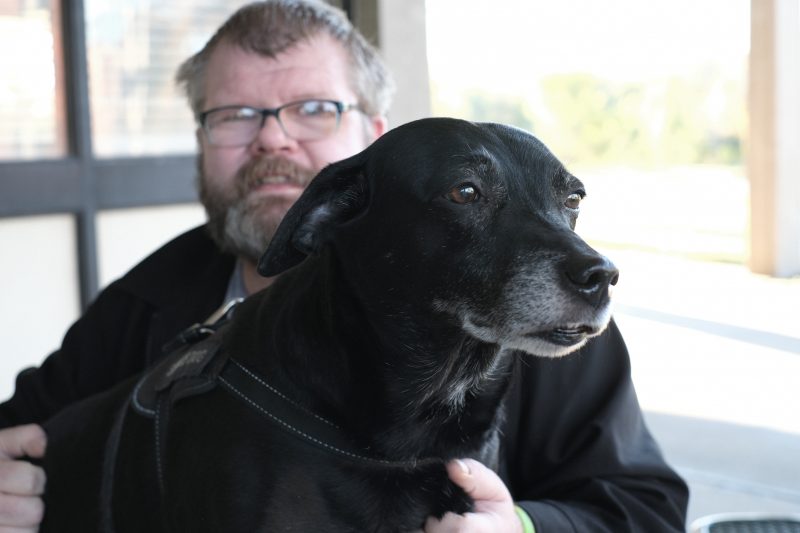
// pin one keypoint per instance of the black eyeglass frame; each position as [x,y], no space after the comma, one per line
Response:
[265,112]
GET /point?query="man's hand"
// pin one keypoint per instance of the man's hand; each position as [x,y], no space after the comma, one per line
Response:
[494,507]
[21,483]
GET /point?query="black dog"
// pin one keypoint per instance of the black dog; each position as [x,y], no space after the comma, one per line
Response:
[422,267]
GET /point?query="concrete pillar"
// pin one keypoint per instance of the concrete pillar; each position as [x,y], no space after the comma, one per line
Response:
[402,40]
[773,150]
[397,28]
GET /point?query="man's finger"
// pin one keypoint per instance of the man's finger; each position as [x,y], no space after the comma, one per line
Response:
[21,478]
[477,480]
[21,511]
[450,522]
[22,441]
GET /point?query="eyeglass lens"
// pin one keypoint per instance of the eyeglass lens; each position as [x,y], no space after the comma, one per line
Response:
[301,121]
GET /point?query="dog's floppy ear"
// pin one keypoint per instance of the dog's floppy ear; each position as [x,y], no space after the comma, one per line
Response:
[334,196]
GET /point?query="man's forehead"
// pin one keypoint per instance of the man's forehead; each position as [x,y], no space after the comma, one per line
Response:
[312,68]
[320,54]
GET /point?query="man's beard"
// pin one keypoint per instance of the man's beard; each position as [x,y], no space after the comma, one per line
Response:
[243,224]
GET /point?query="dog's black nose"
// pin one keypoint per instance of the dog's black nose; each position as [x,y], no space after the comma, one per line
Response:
[591,276]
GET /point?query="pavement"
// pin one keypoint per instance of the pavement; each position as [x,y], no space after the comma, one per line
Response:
[715,353]
[731,467]
[715,349]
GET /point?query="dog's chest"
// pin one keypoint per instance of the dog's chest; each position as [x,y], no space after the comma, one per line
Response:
[275,478]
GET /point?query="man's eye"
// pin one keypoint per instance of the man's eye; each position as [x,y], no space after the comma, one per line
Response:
[573,201]
[243,114]
[315,108]
[239,115]
[463,194]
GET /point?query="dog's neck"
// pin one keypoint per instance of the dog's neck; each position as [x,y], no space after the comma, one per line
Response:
[393,382]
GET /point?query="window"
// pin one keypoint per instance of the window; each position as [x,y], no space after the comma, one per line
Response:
[93,131]
[31,94]
[133,51]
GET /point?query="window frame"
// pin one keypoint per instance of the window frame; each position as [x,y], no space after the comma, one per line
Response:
[81,183]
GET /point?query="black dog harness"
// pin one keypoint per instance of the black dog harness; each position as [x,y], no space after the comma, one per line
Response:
[191,368]
[198,366]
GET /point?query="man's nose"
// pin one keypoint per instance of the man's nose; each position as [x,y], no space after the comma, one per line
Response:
[272,139]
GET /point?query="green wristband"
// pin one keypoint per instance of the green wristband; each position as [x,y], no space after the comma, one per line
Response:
[527,523]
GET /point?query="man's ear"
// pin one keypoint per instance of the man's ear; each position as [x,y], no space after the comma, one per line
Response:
[336,195]
[378,125]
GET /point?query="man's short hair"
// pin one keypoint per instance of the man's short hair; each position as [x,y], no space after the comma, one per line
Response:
[272,26]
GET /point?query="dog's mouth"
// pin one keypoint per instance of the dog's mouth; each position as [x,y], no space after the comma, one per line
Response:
[535,334]
[566,336]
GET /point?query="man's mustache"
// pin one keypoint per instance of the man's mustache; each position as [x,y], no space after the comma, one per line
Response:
[259,169]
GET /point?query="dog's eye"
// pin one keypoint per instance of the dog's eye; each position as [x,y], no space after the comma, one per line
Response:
[463,194]
[573,201]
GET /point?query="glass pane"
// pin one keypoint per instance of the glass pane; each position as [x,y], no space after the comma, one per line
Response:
[30,88]
[126,236]
[134,49]
[39,288]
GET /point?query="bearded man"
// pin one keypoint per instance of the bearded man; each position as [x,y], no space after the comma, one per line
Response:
[281,90]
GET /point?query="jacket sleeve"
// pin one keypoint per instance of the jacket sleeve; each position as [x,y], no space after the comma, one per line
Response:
[579,456]
[103,347]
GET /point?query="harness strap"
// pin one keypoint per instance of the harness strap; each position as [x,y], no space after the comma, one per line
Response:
[186,365]
[258,394]
[190,369]
[109,466]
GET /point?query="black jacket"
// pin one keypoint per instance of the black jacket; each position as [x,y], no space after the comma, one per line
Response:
[576,449]
[576,453]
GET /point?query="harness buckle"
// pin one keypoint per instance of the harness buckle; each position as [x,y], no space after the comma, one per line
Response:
[197,332]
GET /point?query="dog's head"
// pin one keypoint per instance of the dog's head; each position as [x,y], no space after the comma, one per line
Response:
[447,221]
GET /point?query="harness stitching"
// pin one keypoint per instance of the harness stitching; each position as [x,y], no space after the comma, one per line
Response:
[294,429]
[281,395]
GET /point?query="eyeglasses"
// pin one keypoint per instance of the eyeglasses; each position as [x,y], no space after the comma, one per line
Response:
[306,120]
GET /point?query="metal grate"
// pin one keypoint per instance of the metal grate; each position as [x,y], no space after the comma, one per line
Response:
[756,526]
